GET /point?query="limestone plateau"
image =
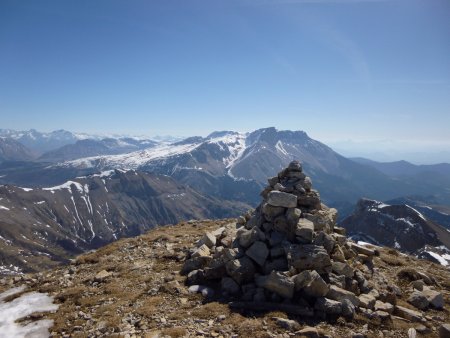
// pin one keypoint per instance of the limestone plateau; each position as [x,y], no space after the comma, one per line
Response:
[288,255]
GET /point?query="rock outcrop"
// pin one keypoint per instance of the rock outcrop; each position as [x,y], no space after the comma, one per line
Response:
[288,254]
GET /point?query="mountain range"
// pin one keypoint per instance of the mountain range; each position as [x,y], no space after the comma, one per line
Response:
[41,227]
[215,176]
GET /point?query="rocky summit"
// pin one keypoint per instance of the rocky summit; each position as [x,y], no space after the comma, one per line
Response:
[289,255]
[282,270]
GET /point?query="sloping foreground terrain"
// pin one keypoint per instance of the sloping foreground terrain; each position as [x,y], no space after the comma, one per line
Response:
[42,227]
[133,288]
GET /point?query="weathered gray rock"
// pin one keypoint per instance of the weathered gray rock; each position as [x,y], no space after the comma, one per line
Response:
[294,166]
[270,212]
[241,270]
[367,301]
[277,251]
[278,283]
[208,239]
[311,283]
[202,251]
[293,216]
[338,280]
[102,275]
[411,315]
[309,332]
[418,300]
[348,309]
[278,264]
[229,285]
[304,231]
[258,252]
[338,254]
[339,294]
[309,200]
[195,263]
[309,257]
[287,324]
[386,307]
[444,331]
[248,237]
[435,298]
[325,240]
[281,199]
[362,249]
[344,269]
[328,306]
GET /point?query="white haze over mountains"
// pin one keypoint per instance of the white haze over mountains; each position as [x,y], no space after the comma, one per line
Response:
[417,152]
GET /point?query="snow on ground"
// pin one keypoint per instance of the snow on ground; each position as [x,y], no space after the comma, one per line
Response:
[67,185]
[418,213]
[442,259]
[21,307]
[3,208]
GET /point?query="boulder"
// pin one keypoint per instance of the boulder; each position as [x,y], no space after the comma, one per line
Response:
[435,298]
[444,331]
[281,199]
[386,307]
[418,300]
[241,270]
[102,275]
[202,251]
[278,283]
[348,309]
[328,306]
[229,285]
[304,231]
[339,294]
[343,269]
[325,240]
[362,249]
[208,239]
[309,257]
[367,301]
[411,315]
[270,212]
[311,282]
[258,252]
[248,237]
[293,216]
[287,324]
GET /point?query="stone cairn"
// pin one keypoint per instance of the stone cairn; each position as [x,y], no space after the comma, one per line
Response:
[288,254]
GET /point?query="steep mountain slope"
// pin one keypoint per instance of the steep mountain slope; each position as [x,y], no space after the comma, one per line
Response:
[397,226]
[205,163]
[89,147]
[40,227]
[11,150]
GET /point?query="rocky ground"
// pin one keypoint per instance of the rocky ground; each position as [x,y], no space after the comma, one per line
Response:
[133,288]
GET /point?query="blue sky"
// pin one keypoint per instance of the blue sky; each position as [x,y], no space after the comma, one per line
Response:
[359,70]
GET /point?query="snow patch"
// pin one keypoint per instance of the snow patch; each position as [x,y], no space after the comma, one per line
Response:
[21,307]
[3,207]
[443,260]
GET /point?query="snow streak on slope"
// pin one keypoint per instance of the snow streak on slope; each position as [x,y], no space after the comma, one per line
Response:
[131,160]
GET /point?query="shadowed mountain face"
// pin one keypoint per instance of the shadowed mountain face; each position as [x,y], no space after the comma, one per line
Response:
[39,227]
[11,150]
[398,226]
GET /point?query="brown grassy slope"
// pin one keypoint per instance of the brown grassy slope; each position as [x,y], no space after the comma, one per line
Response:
[145,293]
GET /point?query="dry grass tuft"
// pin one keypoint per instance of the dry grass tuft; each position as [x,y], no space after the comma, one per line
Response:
[174,332]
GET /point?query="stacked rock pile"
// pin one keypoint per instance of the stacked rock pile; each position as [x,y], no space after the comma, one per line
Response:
[289,251]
